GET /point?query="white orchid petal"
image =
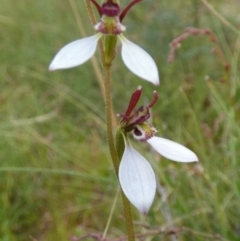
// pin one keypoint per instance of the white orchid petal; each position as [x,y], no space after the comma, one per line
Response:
[75,53]
[137,179]
[139,61]
[172,150]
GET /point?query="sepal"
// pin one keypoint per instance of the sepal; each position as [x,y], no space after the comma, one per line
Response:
[139,61]
[172,150]
[75,53]
[137,179]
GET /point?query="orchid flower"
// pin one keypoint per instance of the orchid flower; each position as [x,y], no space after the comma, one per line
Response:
[135,58]
[136,176]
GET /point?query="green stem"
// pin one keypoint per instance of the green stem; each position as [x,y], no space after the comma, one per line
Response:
[108,112]
[120,145]
[115,157]
[128,217]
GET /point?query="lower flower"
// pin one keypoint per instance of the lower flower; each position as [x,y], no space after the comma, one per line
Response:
[136,175]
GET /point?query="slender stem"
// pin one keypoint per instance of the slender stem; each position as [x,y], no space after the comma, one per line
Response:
[110,215]
[108,112]
[90,12]
[115,157]
[128,217]
[120,145]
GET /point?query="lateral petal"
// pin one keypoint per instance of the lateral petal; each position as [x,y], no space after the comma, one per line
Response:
[172,150]
[75,53]
[137,179]
[139,61]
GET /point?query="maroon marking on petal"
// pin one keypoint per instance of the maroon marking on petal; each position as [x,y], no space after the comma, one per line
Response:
[137,132]
[126,9]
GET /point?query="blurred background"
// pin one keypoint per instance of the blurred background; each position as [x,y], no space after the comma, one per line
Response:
[56,176]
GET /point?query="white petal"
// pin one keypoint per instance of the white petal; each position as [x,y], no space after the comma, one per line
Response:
[172,150]
[137,179]
[139,61]
[75,53]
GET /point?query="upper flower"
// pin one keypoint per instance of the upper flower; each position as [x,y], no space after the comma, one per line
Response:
[135,58]
[136,176]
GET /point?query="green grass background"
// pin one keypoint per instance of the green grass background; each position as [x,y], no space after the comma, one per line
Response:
[56,177]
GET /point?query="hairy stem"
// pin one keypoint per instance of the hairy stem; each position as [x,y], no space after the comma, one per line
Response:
[126,204]
[128,217]
[90,12]
[115,157]
[108,112]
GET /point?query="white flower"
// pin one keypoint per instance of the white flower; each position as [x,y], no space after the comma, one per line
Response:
[136,176]
[135,58]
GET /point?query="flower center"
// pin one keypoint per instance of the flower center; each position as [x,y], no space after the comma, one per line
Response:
[143,132]
[136,122]
[109,25]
